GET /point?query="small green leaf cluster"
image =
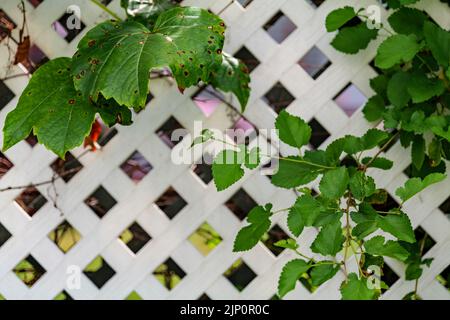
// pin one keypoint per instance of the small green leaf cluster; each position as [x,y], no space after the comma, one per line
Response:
[343,212]
[412,90]
[109,74]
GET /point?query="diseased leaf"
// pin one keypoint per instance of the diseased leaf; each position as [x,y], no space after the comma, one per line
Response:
[329,241]
[377,247]
[259,223]
[357,289]
[350,40]
[415,185]
[334,183]
[292,130]
[339,17]
[52,109]
[292,271]
[396,49]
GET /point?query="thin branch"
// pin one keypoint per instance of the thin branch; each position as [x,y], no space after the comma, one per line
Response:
[106,9]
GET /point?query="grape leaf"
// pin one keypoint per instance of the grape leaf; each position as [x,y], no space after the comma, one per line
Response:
[259,223]
[52,109]
[339,17]
[377,247]
[353,39]
[357,289]
[416,185]
[396,49]
[292,271]
[292,130]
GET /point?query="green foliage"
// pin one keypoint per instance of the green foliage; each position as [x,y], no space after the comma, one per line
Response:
[416,185]
[357,289]
[292,130]
[290,275]
[395,50]
[378,247]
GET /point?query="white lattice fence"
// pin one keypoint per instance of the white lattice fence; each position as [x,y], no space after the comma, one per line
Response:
[26,235]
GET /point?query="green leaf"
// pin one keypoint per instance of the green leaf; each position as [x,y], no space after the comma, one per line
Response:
[252,158]
[350,40]
[287,244]
[323,272]
[259,223]
[52,109]
[339,17]
[397,90]
[291,273]
[205,136]
[330,239]
[408,21]
[373,137]
[226,169]
[112,113]
[357,289]
[438,41]
[292,130]
[416,185]
[377,247]
[232,76]
[374,108]
[361,185]
[398,225]
[396,49]
[115,58]
[379,163]
[146,12]
[303,213]
[418,151]
[334,183]
[294,172]
[413,271]
[421,88]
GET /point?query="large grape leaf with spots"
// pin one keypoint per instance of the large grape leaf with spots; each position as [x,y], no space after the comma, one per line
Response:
[52,109]
[114,59]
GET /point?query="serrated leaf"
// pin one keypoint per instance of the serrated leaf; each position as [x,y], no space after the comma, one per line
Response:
[115,58]
[361,185]
[52,109]
[397,90]
[287,244]
[421,88]
[226,169]
[329,241]
[292,130]
[374,108]
[350,40]
[323,272]
[415,185]
[252,158]
[303,213]
[398,225]
[357,289]
[408,21]
[377,247]
[293,172]
[334,183]
[232,76]
[396,49]
[259,223]
[339,17]
[292,271]
[438,41]
[379,163]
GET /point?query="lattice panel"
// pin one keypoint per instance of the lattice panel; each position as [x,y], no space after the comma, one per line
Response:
[122,214]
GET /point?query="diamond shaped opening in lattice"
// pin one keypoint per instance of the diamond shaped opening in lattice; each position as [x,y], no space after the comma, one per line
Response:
[169,132]
[314,62]
[278,98]
[7,25]
[240,275]
[207,99]
[274,235]
[171,203]
[32,140]
[68,26]
[99,272]
[306,281]
[445,206]
[428,167]
[244,3]
[107,133]
[279,27]
[350,99]
[134,296]
[248,58]
[4,235]
[63,295]
[6,95]
[204,297]
[203,171]
[349,160]
[65,236]
[31,200]
[136,167]
[444,278]
[169,274]
[205,239]
[315,3]
[5,165]
[389,203]
[242,131]
[388,276]
[319,134]
[135,237]
[35,3]
[240,204]
[67,169]
[424,239]
[29,271]
[100,202]
[36,58]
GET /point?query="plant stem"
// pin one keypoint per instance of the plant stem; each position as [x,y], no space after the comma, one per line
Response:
[302,255]
[106,9]
[366,166]
[347,234]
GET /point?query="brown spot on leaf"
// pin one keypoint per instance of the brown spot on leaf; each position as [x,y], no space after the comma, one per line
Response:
[72,101]
[92,43]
